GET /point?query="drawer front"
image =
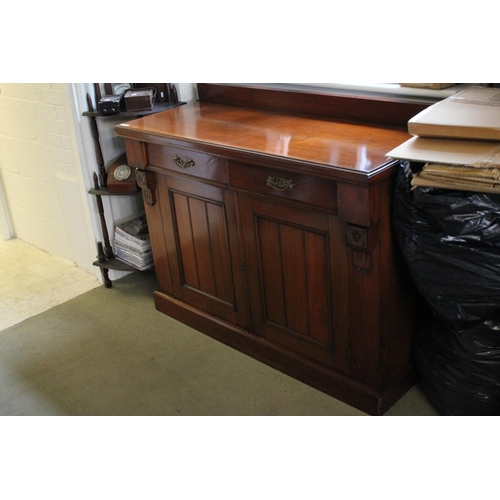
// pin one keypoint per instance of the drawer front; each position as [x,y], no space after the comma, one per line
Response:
[285,185]
[187,162]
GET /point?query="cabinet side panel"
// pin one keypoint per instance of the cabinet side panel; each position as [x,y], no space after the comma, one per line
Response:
[398,298]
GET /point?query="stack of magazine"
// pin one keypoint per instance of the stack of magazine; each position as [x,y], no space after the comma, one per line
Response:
[132,244]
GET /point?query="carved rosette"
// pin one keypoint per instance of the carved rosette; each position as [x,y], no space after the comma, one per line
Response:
[357,240]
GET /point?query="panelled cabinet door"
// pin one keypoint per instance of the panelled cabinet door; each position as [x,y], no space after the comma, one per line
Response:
[297,271]
[203,257]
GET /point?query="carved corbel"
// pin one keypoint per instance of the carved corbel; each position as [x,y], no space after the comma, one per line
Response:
[146,183]
[357,240]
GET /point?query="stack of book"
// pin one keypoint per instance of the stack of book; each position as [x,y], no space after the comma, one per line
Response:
[457,141]
[132,243]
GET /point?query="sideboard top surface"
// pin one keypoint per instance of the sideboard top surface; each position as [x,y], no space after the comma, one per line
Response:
[358,148]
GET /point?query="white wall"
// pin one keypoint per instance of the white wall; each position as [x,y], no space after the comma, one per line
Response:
[47,160]
[41,171]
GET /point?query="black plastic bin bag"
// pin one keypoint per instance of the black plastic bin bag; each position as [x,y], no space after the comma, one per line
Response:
[451,243]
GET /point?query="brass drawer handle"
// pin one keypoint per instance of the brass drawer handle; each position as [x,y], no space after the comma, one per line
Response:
[280,183]
[183,164]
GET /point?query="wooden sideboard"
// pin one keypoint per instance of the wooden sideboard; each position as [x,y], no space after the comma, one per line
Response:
[271,233]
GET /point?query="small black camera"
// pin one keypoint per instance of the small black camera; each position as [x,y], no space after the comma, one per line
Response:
[110,104]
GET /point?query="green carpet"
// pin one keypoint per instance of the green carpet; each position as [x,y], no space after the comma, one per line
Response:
[109,352]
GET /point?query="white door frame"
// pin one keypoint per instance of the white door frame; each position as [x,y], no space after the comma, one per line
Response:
[82,136]
[6,229]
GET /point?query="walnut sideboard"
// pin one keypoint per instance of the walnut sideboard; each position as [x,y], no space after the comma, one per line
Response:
[271,233]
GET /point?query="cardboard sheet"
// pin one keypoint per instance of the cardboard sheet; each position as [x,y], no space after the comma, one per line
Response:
[480,154]
[470,174]
[473,113]
[457,184]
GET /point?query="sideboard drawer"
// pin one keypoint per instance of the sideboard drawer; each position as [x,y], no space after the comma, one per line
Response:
[188,162]
[282,184]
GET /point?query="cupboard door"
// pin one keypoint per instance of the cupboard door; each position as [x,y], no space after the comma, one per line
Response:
[202,247]
[297,272]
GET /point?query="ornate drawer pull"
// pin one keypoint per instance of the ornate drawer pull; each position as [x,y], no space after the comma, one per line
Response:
[280,183]
[183,164]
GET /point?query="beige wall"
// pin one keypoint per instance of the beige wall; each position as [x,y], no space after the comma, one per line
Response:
[40,169]
[47,160]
